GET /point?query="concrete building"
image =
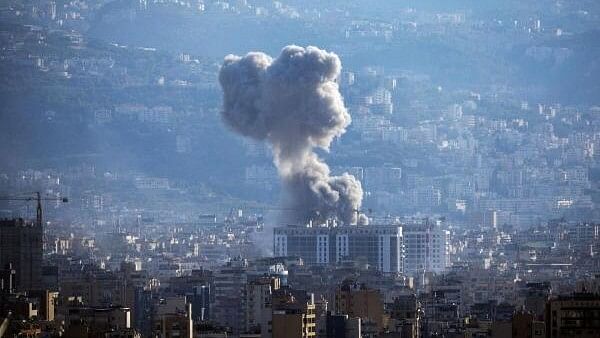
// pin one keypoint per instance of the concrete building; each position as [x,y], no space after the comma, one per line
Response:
[525,325]
[356,300]
[173,318]
[535,295]
[405,316]
[197,288]
[259,311]
[380,246]
[98,288]
[342,326]
[426,248]
[98,322]
[47,303]
[573,316]
[230,301]
[293,314]
[21,247]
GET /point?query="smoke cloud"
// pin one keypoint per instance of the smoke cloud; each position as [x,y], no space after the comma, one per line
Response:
[293,102]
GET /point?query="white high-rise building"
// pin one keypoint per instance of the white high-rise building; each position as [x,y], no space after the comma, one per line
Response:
[426,248]
[377,245]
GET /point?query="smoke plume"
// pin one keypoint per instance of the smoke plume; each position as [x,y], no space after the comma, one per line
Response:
[294,103]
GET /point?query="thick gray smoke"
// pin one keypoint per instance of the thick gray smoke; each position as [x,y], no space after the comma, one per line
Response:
[294,103]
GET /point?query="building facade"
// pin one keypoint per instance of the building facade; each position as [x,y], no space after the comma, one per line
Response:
[230,301]
[358,301]
[380,246]
[21,248]
[573,316]
[293,314]
[426,248]
[259,311]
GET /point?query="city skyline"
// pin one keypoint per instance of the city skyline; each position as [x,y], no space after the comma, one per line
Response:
[299,168]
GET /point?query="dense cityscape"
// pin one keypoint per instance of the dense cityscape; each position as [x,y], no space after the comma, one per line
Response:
[182,168]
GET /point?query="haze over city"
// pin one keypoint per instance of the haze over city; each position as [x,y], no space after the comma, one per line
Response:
[299,168]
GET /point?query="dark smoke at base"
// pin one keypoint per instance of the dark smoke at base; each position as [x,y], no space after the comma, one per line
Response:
[294,103]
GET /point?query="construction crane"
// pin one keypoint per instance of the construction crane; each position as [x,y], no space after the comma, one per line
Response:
[36,196]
